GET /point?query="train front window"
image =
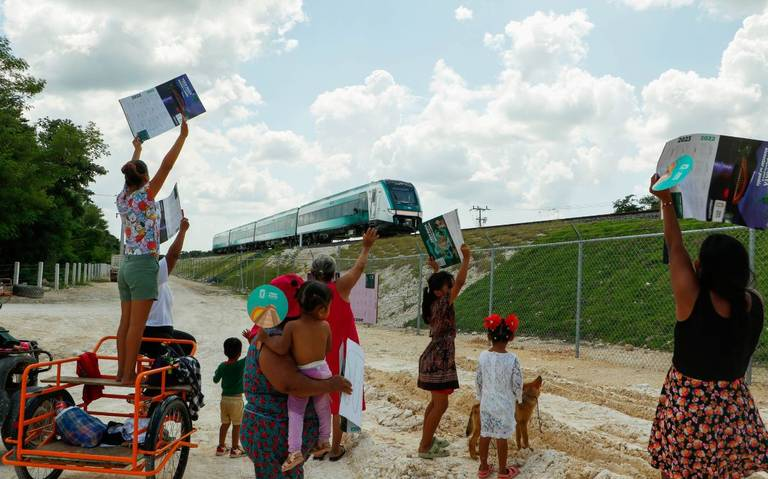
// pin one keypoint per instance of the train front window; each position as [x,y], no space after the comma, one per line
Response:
[403,195]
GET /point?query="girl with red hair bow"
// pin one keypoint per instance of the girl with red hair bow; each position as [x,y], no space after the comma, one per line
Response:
[499,387]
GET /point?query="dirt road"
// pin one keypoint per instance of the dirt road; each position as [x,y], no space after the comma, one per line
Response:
[595,415]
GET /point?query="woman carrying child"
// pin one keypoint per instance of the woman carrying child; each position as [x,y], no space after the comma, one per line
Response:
[437,365]
[499,388]
[137,278]
[308,340]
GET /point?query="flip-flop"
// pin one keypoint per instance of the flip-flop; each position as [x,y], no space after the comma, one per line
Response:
[434,452]
[441,443]
[483,474]
[512,471]
[294,459]
[336,458]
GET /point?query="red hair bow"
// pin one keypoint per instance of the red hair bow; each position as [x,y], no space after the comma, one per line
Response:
[512,322]
[492,322]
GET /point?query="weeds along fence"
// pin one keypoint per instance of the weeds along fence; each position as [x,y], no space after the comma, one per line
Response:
[602,298]
[53,275]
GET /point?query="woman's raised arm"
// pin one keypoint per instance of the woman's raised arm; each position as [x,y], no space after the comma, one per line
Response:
[156,183]
[685,283]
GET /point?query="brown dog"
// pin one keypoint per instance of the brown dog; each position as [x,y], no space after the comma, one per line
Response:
[524,411]
[523,414]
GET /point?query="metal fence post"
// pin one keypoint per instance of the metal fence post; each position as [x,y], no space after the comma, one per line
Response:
[490,289]
[240,264]
[16,272]
[40,266]
[579,273]
[748,377]
[66,275]
[421,293]
[56,271]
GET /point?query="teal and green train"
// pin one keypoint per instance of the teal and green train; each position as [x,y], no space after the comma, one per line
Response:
[391,206]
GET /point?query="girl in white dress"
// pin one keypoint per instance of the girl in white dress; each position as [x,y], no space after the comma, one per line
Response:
[499,388]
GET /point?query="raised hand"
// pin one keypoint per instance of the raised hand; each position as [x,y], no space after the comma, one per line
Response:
[664,196]
[466,252]
[370,237]
[136,143]
[433,264]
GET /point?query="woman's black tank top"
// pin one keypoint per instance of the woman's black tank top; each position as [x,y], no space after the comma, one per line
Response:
[712,348]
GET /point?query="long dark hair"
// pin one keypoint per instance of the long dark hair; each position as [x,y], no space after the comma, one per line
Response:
[434,283]
[724,270]
[134,172]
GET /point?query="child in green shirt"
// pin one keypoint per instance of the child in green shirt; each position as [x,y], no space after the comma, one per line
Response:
[230,373]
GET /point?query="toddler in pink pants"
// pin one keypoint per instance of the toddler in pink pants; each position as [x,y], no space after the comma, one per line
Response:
[308,340]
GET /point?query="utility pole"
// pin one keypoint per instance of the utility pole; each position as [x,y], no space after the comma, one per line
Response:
[481,220]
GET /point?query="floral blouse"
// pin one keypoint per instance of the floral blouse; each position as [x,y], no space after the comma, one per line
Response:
[141,221]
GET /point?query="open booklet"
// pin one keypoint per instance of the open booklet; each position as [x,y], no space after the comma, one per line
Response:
[443,239]
[158,109]
[170,215]
[727,179]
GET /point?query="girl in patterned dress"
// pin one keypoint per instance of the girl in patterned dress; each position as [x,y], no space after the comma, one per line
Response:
[437,364]
[499,388]
[706,422]
[137,277]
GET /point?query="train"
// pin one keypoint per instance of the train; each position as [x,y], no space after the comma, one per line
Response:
[392,206]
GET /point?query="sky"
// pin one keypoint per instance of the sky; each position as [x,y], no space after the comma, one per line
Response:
[538,110]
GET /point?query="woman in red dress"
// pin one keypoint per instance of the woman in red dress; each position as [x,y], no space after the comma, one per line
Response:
[341,320]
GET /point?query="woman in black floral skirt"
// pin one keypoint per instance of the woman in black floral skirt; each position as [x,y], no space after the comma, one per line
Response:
[707,424]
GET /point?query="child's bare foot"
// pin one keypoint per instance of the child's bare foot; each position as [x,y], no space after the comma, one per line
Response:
[294,459]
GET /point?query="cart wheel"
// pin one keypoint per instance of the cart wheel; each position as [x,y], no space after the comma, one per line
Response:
[169,421]
[41,432]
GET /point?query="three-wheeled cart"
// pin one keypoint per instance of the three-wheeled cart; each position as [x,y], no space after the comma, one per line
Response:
[38,454]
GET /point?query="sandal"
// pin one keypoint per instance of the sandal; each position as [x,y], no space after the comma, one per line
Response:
[236,452]
[321,450]
[434,452]
[482,474]
[512,471]
[294,459]
[336,458]
[221,450]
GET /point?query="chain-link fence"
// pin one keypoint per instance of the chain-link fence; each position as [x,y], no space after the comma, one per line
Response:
[606,298]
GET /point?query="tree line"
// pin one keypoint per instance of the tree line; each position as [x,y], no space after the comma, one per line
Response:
[46,211]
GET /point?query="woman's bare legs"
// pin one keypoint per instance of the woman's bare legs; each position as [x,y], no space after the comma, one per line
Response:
[432,416]
[122,335]
[139,314]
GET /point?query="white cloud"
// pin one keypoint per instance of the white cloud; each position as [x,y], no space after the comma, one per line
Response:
[540,44]
[463,13]
[116,45]
[649,4]
[728,9]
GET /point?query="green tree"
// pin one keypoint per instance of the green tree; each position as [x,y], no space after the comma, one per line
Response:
[628,204]
[649,203]
[45,208]
[22,183]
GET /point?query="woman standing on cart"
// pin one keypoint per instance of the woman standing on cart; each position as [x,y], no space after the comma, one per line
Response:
[137,278]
